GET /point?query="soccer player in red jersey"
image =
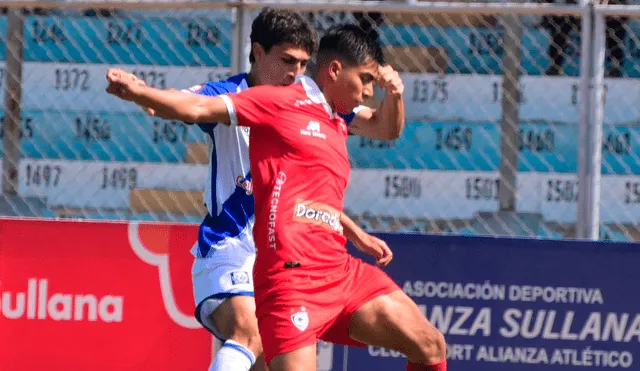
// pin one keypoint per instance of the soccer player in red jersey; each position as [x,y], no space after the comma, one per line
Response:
[307,286]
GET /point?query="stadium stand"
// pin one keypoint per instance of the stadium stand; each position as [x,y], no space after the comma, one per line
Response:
[74,136]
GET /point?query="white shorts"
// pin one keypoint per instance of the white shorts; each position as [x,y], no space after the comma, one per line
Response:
[227,272]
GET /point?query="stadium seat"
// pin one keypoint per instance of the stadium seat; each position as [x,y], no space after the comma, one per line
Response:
[90,213]
[167,201]
[167,217]
[439,19]
[614,235]
[197,153]
[417,59]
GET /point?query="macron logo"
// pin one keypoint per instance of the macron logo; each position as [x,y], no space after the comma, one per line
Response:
[305,102]
[314,126]
[313,130]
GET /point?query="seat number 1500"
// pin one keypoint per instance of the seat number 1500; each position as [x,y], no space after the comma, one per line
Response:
[402,186]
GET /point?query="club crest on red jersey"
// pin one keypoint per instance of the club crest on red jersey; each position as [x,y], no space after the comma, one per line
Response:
[300,319]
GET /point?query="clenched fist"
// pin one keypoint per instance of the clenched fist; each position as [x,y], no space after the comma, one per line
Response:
[123,84]
[389,79]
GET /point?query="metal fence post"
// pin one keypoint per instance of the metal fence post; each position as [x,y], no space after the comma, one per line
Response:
[509,125]
[586,63]
[241,44]
[12,100]
[596,132]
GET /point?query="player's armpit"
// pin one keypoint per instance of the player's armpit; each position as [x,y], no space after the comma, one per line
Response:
[256,106]
[385,123]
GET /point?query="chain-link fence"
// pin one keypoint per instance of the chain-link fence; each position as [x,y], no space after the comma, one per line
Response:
[619,65]
[491,145]
[88,155]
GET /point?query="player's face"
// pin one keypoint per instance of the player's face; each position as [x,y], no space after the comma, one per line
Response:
[281,64]
[354,84]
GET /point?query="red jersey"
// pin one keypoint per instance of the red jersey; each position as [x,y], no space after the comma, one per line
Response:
[300,170]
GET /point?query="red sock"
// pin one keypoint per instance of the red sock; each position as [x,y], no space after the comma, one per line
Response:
[440,366]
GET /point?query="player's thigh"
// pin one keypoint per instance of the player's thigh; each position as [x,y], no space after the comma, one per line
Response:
[260,365]
[223,290]
[303,359]
[293,314]
[394,321]
[235,318]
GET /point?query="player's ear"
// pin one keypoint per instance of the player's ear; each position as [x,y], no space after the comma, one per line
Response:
[257,50]
[335,68]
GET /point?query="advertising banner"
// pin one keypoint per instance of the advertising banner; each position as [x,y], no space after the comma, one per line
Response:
[98,296]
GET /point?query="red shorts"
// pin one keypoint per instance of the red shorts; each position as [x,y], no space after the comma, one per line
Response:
[303,310]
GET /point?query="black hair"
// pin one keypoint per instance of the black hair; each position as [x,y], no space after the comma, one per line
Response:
[369,21]
[280,26]
[351,44]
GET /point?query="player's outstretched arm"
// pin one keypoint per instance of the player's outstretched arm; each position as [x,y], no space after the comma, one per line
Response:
[387,122]
[365,242]
[168,104]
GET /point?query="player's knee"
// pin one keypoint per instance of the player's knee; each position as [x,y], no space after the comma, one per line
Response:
[426,343]
[420,341]
[245,331]
[430,345]
[239,325]
[235,354]
[250,337]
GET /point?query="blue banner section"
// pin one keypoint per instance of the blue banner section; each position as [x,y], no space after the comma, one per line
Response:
[517,304]
[480,49]
[206,41]
[103,136]
[135,136]
[153,41]
[544,147]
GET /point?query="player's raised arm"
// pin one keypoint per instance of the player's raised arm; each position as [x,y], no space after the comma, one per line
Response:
[168,104]
[387,122]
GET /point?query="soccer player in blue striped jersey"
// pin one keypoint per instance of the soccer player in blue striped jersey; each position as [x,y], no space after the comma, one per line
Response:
[282,43]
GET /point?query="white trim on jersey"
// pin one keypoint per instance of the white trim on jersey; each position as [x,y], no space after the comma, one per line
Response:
[314,93]
[359,108]
[231,109]
[232,161]
[230,151]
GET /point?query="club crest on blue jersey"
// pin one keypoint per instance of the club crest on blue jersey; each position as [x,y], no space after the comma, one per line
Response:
[196,88]
[240,278]
[245,184]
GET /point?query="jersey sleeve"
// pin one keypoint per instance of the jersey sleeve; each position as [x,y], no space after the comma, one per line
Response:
[255,106]
[210,89]
[350,116]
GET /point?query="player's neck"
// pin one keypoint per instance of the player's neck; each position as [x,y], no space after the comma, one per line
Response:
[252,78]
[316,77]
[326,92]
